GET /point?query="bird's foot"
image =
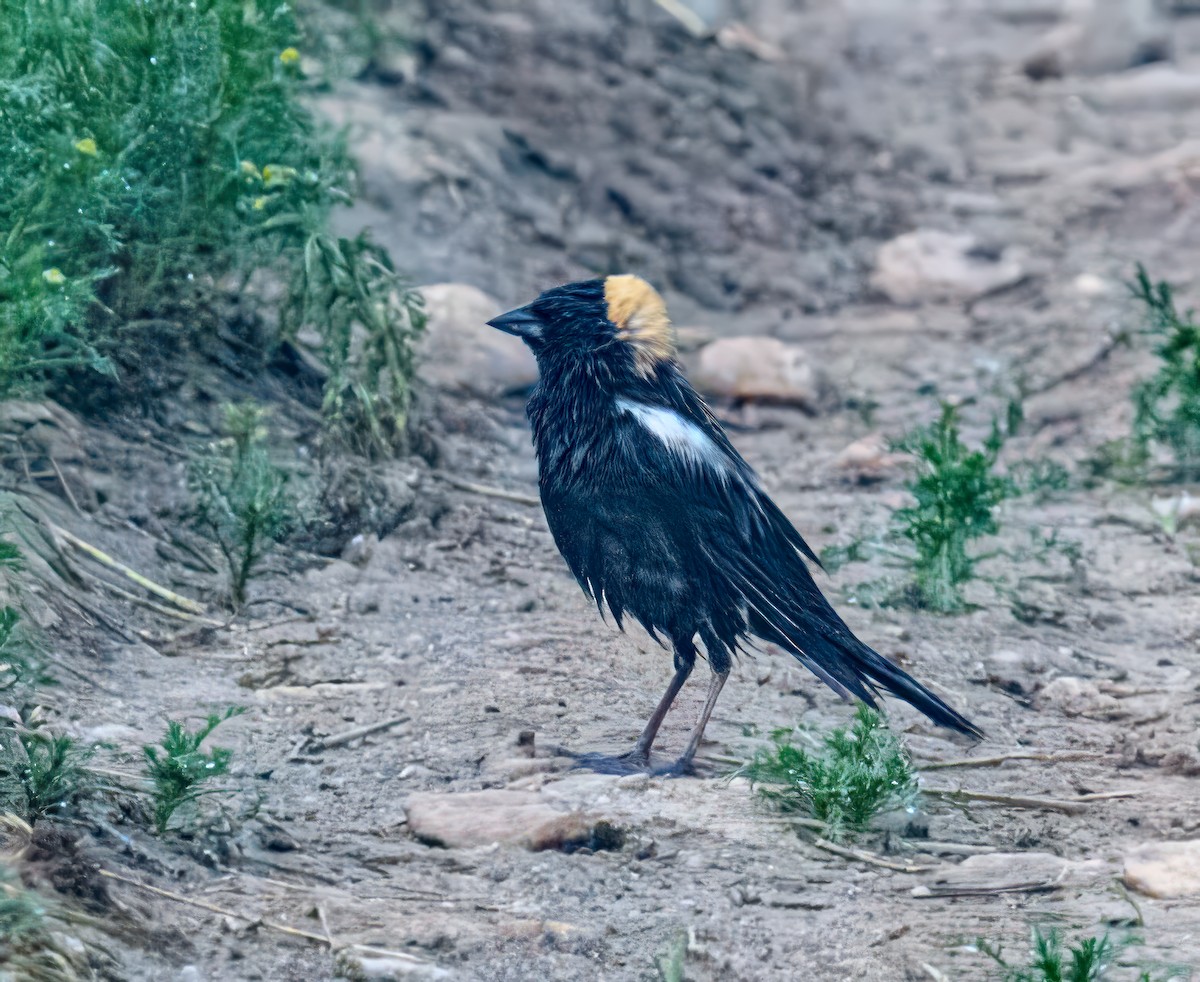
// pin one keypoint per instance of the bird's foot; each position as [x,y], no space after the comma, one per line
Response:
[633,762]
[683,767]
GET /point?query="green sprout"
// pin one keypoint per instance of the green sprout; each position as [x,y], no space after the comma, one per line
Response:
[179,769]
[241,499]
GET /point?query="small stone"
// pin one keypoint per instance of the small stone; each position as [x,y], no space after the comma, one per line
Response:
[381,968]
[1078,697]
[460,353]
[634,782]
[479,818]
[762,369]
[1166,870]
[190,973]
[1101,36]
[932,266]
[869,457]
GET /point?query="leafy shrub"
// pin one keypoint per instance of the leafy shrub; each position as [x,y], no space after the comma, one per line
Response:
[856,775]
[152,150]
[178,767]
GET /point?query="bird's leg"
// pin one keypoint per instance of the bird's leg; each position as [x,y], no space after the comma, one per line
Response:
[641,751]
[684,764]
[638,759]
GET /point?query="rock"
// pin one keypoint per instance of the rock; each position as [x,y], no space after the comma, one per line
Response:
[869,458]
[762,369]
[1156,87]
[1166,870]
[479,818]
[1009,870]
[460,353]
[381,968]
[1078,697]
[1100,36]
[931,266]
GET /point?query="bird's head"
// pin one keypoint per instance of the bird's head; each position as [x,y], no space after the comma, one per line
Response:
[619,322]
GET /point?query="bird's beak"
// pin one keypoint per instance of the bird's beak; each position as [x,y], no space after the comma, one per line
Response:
[522,322]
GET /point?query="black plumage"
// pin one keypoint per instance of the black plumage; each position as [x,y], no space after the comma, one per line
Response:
[660,518]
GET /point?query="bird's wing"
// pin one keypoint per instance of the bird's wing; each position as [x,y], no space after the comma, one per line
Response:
[673,392]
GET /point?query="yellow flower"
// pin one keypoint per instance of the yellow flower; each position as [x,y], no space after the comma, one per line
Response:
[278,174]
[249,169]
[86,146]
[260,203]
[54,276]
[289,56]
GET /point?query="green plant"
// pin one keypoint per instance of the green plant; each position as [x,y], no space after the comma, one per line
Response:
[241,499]
[1167,405]
[852,777]
[29,949]
[154,155]
[1089,960]
[957,493]
[670,962]
[179,769]
[41,774]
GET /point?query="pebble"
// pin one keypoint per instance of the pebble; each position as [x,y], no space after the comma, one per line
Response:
[1165,870]
[932,266]
[762,369]
[479,818]
[460,353]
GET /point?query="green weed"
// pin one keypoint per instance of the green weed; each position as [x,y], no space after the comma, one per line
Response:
[179,769]
[1167,405]
[853,777]
[1089,960]
[156,153]
[41,774]
[670,962]
[957,493]
[241,499]
[29,949]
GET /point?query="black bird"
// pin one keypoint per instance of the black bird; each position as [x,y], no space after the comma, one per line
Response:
[659,516]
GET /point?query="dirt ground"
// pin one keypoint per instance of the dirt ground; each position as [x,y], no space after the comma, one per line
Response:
[522,144]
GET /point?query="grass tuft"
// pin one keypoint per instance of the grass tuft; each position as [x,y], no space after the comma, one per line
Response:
[241,499]
[179,769]
[855,775]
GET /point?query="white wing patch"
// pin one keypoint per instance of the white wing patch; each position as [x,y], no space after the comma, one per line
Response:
[679,435]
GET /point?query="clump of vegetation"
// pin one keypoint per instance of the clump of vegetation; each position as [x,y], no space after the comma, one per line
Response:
[180,770]
[156,156]
[957,492]
[1167,405]
[1089,960]
[844,782]
[41,774]
[29,948]
[241,499]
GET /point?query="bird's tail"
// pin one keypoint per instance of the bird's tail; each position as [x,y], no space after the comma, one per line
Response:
[869,662]
[825,646]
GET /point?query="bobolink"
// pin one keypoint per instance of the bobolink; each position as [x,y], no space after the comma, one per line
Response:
[659,516]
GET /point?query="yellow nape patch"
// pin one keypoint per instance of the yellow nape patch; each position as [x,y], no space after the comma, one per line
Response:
[640,316]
